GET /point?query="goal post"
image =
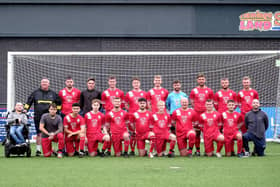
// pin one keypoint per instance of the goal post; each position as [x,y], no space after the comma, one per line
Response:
[25,70]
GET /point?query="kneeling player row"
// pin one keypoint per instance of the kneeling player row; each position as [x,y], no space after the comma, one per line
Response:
[142,125]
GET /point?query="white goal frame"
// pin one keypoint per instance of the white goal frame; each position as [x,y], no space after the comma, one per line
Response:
[10,66]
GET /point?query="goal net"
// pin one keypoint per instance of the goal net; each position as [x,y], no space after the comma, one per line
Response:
[25,70]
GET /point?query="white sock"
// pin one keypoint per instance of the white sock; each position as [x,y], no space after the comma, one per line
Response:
[38,147]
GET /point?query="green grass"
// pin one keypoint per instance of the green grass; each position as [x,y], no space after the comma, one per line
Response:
[136,171]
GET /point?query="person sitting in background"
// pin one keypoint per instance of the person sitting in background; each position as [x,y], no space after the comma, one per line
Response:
[17,119]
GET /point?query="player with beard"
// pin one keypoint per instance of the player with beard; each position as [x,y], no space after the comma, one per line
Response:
[232,121]
[156,94]
[68,96]
[131,104]
[117,120]
[245,99]
[210,122]
[161,125]
[74,129]
[223,95]
[185,118]
[141,122]
[51,127]
[198,97]
[173,100]
[95,122]
[88,95]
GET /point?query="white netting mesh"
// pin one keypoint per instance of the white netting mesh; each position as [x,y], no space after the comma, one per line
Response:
[29,69]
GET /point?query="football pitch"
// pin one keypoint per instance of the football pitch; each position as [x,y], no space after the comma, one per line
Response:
[136,171]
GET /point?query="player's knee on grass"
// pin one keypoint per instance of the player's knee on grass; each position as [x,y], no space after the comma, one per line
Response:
[239,136]
[118,154]
[151,134]
[190,133]
[106,137]
[126,136]
[70,154]
[183,152]
[93,154]
[209,154]
[228,154]
[172,137]
[221,138]
[141,152]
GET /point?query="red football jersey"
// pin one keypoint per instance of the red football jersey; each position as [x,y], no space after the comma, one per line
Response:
[142,122]
[231,121]
[73,124]
[108,96]
[245,99]
[161,123]
[94,122]
[199,96]
[156,95]
[68,98]
[117,121]
[221,98]
[185,119]
[210,122]
[131,98]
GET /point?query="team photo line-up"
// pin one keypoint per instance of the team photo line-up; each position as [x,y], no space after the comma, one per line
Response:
[113,118]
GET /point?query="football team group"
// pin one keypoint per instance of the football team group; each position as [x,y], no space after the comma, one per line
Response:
[80,121]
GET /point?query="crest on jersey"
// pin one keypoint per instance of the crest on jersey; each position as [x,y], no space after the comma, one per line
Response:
[162,92]
[206,91]
[147,115]
[141,94]
[118,120]
[63,92]
[117,93]
[161,123]
[251,93]
[214,115]
[195,91]
[201,97]
[136,115]
[241,94]
[234,116]
[230,94]
[78,120]
[152,92]
[220,94]
[189,113]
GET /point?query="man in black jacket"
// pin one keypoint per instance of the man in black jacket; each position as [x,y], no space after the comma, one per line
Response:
[88,95]
[42,98]
[256,122]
